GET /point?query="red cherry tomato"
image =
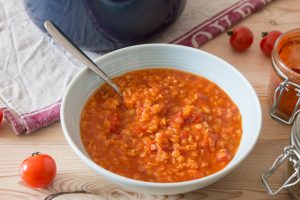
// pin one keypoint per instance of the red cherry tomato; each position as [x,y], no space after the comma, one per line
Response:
[241,38]
[38,171]
[1,116]
[268,41]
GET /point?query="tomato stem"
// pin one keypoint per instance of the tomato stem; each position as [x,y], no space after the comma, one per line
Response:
[35,153]
[264,34]
[229,33]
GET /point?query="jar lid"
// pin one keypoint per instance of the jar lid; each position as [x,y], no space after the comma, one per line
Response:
[291,154]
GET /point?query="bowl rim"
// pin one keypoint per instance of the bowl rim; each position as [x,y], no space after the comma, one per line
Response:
[106,173]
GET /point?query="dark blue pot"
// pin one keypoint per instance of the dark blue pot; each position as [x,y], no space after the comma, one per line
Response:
[105,25]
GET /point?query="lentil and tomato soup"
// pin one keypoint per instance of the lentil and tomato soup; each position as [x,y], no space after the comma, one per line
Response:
[171,126]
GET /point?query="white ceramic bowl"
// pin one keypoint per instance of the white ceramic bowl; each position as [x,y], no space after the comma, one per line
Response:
[166,56]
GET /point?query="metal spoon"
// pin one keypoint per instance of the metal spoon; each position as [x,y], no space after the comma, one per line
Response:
[64,41]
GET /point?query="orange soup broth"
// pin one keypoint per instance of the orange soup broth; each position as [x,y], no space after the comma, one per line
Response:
[171,126]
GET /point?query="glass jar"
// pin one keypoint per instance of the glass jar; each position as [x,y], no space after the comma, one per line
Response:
[292,155]
[284,81]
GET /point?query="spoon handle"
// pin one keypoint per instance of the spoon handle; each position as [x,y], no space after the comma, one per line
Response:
[64,41]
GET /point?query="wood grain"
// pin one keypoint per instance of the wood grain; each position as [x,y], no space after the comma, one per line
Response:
[243,183]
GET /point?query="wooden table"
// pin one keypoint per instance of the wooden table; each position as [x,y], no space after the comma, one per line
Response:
[242,183]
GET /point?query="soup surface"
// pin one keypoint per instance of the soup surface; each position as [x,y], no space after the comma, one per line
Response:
[172,126]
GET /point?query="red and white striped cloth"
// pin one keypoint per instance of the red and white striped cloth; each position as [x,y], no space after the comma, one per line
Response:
[33,101]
